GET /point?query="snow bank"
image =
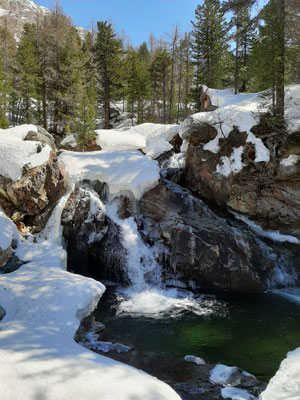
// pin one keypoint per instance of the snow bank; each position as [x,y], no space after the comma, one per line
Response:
[39,357]
[157,137]
[115,140]
[8,231]
[125,170]
[285,385]
[15,153]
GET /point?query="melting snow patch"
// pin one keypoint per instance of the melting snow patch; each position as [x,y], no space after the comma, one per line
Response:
[261,151]
[233,164]
[291,160]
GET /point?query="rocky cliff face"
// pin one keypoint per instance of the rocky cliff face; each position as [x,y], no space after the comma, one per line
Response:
[16,13]
[266,192]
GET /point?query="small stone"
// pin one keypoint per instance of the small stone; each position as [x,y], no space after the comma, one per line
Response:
[194,359]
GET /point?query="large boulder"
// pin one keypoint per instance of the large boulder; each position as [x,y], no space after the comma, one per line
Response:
[41,136]
[202,250]
[266,192]
[32,198]
[93,242]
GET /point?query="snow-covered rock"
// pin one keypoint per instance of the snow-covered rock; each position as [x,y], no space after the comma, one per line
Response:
[285,385]
[115,140]
[123,171]
[232,376]
[16,154]
[194,359]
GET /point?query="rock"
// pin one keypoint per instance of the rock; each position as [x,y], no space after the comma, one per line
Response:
[200,249]
[41,136]
[2,313]
[5,255]
[266,192]
[93,241]
[232,376]
[34,196]
[194,359]
[13,264]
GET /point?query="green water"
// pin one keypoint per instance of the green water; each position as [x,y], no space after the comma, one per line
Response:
[253,332]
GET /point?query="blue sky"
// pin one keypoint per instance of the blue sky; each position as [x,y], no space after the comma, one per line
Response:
[136,17]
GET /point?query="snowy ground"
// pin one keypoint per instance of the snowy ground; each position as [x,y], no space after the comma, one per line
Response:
[44,305]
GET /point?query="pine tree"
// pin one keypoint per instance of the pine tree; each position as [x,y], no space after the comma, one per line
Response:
[4,92]
[160,73]
[209,47]
[107,52]
[28,72]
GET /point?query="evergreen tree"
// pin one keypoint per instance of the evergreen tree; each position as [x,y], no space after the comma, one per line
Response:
[4,92]
[107,52]
[160,73]
[28,72]
[209,47]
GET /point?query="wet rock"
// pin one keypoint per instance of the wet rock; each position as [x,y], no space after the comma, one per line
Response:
[41,136]
[93,241]
[195,245]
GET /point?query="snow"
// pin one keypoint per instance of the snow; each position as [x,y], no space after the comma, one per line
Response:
[236,394]
[92,342]
[15,153]
[285,384]
[221,374]
[273,235]
[233,164]
[194,359]
[8,231]
[123,171]
[115,140]
[44,305]
[157,137]
[291,160]
[262,153]
[3,12]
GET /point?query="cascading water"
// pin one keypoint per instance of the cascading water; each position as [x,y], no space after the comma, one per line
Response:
[146,294]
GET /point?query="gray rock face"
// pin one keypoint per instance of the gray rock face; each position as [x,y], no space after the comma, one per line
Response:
[41,136]
[93,240]
[201,249]
[265,192]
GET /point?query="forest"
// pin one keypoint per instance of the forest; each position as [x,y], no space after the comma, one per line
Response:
[60,79]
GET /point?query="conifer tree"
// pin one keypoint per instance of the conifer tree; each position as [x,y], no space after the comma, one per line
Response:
[107,52]
[209,47]
[28,72]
